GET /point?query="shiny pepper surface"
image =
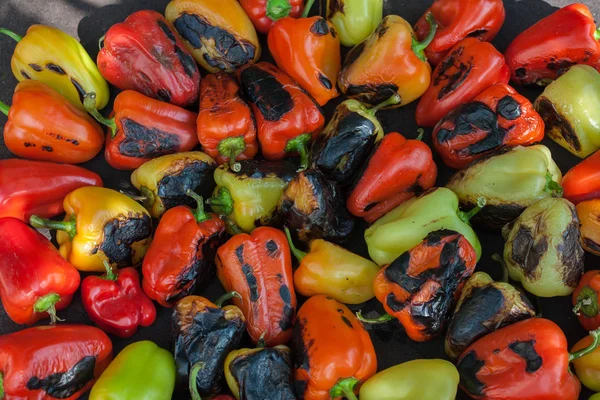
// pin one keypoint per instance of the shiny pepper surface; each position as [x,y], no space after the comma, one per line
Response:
[586,301]
[265,13]
[588,366]
[582,182]
[354,20]
[588,213]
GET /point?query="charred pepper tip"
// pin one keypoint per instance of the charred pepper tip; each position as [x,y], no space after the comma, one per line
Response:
[277,9]
[299,145]
[47,304]
[344,388]
[419,47]
[222,201]
[552,186]
[583,352]
[110,272]
[231,148]
[89,103]
[227,296]
[299,254]
[69,227]
[15,37]
[196,368]
[199,213]
[378,320]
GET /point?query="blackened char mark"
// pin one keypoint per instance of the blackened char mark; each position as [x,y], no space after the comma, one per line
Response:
[255,169]
[287,318]
[557,125]
[166,30]
[571,252]
[35,67]
[354,54]
[163,95]
[25,75]
[146,142]
[591,245]
[468,367]
[266,92]
[320,27]
[62,385]
[397,272]
[301,348]
[251,281]
[495,216]
[373,93]
[272,249]
[120,234]
[561,66]
[48,149]
[478,33]
[55,68]
[526,350]
[239,253]
[508,108]
[347,322]
[196,176]
[325,81]
[187,61]
[452,81]
[80,90]
[521,73]
[528,250]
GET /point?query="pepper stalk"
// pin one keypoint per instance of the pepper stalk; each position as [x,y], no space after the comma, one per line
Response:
[47,304]
[419,47]
[16,38]
[299,254]
[4,108]
[110,272]
[393,100]
[196,368]
[587,302]
[583,352]
[277,9]
[299,145]
[199,213]
[69,226]
[344,388]
[466,216]
[89,103]
[307,8]
[227,296]
[222,200]
[1,385]
[231,148]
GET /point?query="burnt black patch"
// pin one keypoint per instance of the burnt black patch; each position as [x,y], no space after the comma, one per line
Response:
[35,67]
[146,142]
[287,318]
[239,252]
[509,108]
[166,30]
[251,281]
[325,81]
[495,216]
[48,149]
[300,351]
[25,75]
[29,144]
[373,94]
[284,293]
[62,385]
[397,272]
[591,245]
[272,248]
[163,95]
[452,81]
[526,351]
[347,322]
[120,234]
[571,253]
[557,126]
[266,93]
[57,69]
[561,66]
[468,367]
[187,61]
[354,53]
[260,169]
[521,73]
[80,90]
[478,33]
[196,176]
[320,27]
[527,250]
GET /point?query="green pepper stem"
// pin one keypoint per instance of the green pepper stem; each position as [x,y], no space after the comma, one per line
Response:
[393,100]
[587,302]
[307,8]
[581,303]
[231,148]
[496,257]
[227,296]
[89,102]
[299,145]
[110,272]
[421,133]
[4,108]
[69,227]
[1,385]
[379,320]
[193,377]
[419,47]
[466,216]
[233,227]
[47,304]
[261,344]
[14,36]
[277,9]
[101,42]
[583,352]
[222,200]
[199,213]
[299,254]
[147,197]
[552,186]
[344,388]
[597,34]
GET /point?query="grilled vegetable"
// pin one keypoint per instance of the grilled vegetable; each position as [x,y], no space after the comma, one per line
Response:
[582,182]
[588,366]
[586,302]
[264,13]
[588,213]
[354,20]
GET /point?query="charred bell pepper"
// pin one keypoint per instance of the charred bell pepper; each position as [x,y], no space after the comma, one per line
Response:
[287,118]
[408,224]
[225,125]
[259,267]
[100,224]
[484,306]
[51,56]
[588,213]
[313,207]
[218,33]
[457,20]
[43,125]
[144,54]
[354,20]
[588,366]
[249,196]
[509,182]
[142,370]
[342,148]
[586,302]
[582,182]
[550,47]
[390,61]
[543,249]
[143,128]
[333,271]
[41,187]
[574,128]
[204,333]
[264,13]
[35,281]
[52,362]
[417,379]
[165,181]
[421,286]
[116,302]
[333,351]
[499,117]
[180,258]
[398,170]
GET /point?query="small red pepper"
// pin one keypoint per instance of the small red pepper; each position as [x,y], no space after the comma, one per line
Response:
[582,182]
[586,301]
[264,13]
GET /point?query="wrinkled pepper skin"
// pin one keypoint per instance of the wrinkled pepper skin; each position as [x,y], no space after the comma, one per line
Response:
[265,13]
[484,307]
[333,351]
[582,182]
[586,301]
[354,20]
[588,213]
[204,333]
[144,54]
[398,170]
[588,366]
[35,281]
[50,362]
[43,125]
[569,107]
[259,267]
[543,248]
[509,182]
[549,48]
[457,20]
[218,33]
[417,379]
[165,181]
[471,67]
[308,50]
[51,56]
[41,187]
[141,370]
[499,117]
[408,224]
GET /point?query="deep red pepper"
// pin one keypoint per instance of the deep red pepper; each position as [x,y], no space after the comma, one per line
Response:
[264,13]
[586,300]
[582,182]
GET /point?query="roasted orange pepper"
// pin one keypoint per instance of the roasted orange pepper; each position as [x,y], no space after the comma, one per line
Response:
[589,219]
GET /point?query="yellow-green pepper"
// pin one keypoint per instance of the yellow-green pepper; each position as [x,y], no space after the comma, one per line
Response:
[354,20]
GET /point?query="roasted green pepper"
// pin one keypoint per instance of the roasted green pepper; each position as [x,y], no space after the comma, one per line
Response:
[354,20]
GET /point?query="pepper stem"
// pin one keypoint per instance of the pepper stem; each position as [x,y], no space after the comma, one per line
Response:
[147,197]
[466,216]
[222,201]
[421,133]
[101,42]
[419,47]
[552,186]
[14,36]
[299,254]
[393,100]
[277,9]
[47,304]
[193,377]
[379,320]
[299,145]
[199,213]
[587,303]
[110,272]
[89,102]
[227,296]
[261,344]
[307,8]
[67,226]
[231,148]
[496,257]
[344,388]
[1,385]
[4,108]
[583,352]
[597,34]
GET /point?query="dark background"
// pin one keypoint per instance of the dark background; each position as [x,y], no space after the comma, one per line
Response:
[88,20]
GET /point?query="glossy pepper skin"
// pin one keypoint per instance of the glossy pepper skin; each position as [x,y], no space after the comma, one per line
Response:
[48,362]
[218,33]
[265,13]
[550,47]
[179,260]
[587,367]
[354,20]
[333,351]
[497,118]
[457,20]
[287,118]
[43,125]
[41,187]
[586,302]
[390,61]
[259,267]
[397,170]
[141,370]
[582,182]
[100,224]
[144,54]
[225,125]
[51,56]
[35,281]
[469,68]
[588,213]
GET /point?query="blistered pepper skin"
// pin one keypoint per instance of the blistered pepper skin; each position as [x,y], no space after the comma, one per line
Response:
[588,213]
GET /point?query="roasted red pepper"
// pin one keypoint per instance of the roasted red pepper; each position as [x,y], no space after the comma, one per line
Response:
[259,267]
[52,362]
[582,182]
[471,67]
[458,19]
[264,13]
[398,170]
[586,301]
[553,45]
[225,126]
[287,118]
[497,118]
[144,54]
[180,257]
[143,128]
[116,301]
[40,188]
[35,281]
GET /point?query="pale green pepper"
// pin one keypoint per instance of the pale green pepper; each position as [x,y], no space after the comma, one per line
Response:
[354,20]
